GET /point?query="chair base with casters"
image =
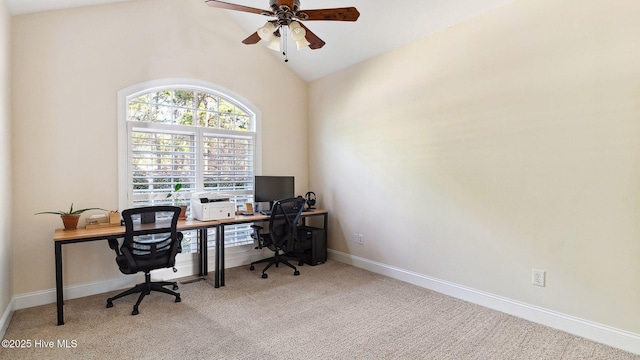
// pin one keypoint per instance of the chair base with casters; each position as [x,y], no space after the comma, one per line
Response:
[145,289]
[276,260]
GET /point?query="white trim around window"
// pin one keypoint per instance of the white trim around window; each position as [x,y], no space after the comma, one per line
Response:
[124,172]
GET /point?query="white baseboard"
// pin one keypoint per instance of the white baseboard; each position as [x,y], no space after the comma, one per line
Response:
[44,297]
[617,338]
[185,268]
[6,318]
[597,332]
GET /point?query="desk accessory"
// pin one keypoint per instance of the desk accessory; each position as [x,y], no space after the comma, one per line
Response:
[103,220]
[310,199]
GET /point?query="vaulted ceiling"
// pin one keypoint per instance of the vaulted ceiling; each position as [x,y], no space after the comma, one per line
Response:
[382,26]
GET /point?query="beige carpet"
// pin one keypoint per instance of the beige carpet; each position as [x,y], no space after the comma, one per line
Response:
[331,311]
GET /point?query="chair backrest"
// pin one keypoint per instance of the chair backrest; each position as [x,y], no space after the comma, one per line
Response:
[283,221]
[151,245]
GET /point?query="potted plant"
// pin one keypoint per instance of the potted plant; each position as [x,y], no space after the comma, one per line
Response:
[178,200]
[70,218]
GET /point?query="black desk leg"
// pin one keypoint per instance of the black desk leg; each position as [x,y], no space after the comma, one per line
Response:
[204,266]
[219,280]
[222,255]
[217,258]
[59,286]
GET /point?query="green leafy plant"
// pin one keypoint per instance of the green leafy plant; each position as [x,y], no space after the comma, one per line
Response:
[70,212]
[175,193]
[178,200]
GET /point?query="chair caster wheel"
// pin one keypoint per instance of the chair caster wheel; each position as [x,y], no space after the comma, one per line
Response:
[252,267]
[296,273]
[175,286]
[109,304]
[264,276]
[135,311]
[178,299]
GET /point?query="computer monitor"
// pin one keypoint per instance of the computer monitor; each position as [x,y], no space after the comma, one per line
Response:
[272,188]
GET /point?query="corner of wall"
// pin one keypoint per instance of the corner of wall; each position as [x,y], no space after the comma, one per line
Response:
[6,318]
[6,266]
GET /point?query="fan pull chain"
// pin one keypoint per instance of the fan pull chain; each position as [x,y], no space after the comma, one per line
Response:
[284,46]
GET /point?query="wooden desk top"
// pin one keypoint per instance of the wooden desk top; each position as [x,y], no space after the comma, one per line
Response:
[239,219]
[118,231]
[189,224]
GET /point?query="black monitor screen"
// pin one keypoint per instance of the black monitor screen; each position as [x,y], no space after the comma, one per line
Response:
[272,188]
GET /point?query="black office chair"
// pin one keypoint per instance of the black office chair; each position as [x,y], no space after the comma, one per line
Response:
[146,247]
[283,224]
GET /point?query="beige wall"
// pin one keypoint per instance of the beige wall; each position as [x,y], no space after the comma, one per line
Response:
[5,160]
[506,143]
[69,66]
[474,155]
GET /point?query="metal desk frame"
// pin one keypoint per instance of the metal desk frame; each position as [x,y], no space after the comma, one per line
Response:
[62,237]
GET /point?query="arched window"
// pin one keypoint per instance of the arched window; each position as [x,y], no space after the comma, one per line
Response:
[190,133]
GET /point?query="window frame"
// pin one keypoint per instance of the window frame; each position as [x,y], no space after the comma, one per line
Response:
[125,170]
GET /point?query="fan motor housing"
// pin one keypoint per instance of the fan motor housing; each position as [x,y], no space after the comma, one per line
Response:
[284,13]
[274,5]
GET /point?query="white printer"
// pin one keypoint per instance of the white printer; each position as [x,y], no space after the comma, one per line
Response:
[207,206]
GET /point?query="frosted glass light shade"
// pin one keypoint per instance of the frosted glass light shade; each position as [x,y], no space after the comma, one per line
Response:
[274,43]
[266,34]
[298,34]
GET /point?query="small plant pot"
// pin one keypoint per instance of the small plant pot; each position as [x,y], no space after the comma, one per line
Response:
[183,212]
[70,221]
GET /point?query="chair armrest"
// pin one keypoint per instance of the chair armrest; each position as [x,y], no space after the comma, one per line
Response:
[180,237]
[113,244]
[256,235]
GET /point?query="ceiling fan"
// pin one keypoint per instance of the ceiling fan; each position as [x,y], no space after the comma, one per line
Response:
[288,15]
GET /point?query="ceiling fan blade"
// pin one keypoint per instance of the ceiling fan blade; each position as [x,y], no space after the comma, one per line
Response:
[338,14]
[224,5]
[252,39]
[316,42]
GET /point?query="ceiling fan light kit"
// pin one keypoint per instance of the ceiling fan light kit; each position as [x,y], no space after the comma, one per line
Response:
[298,34]
[288,17]
[268,34]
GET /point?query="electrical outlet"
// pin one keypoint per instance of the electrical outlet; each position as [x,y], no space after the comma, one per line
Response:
[537,277]
[358,239]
